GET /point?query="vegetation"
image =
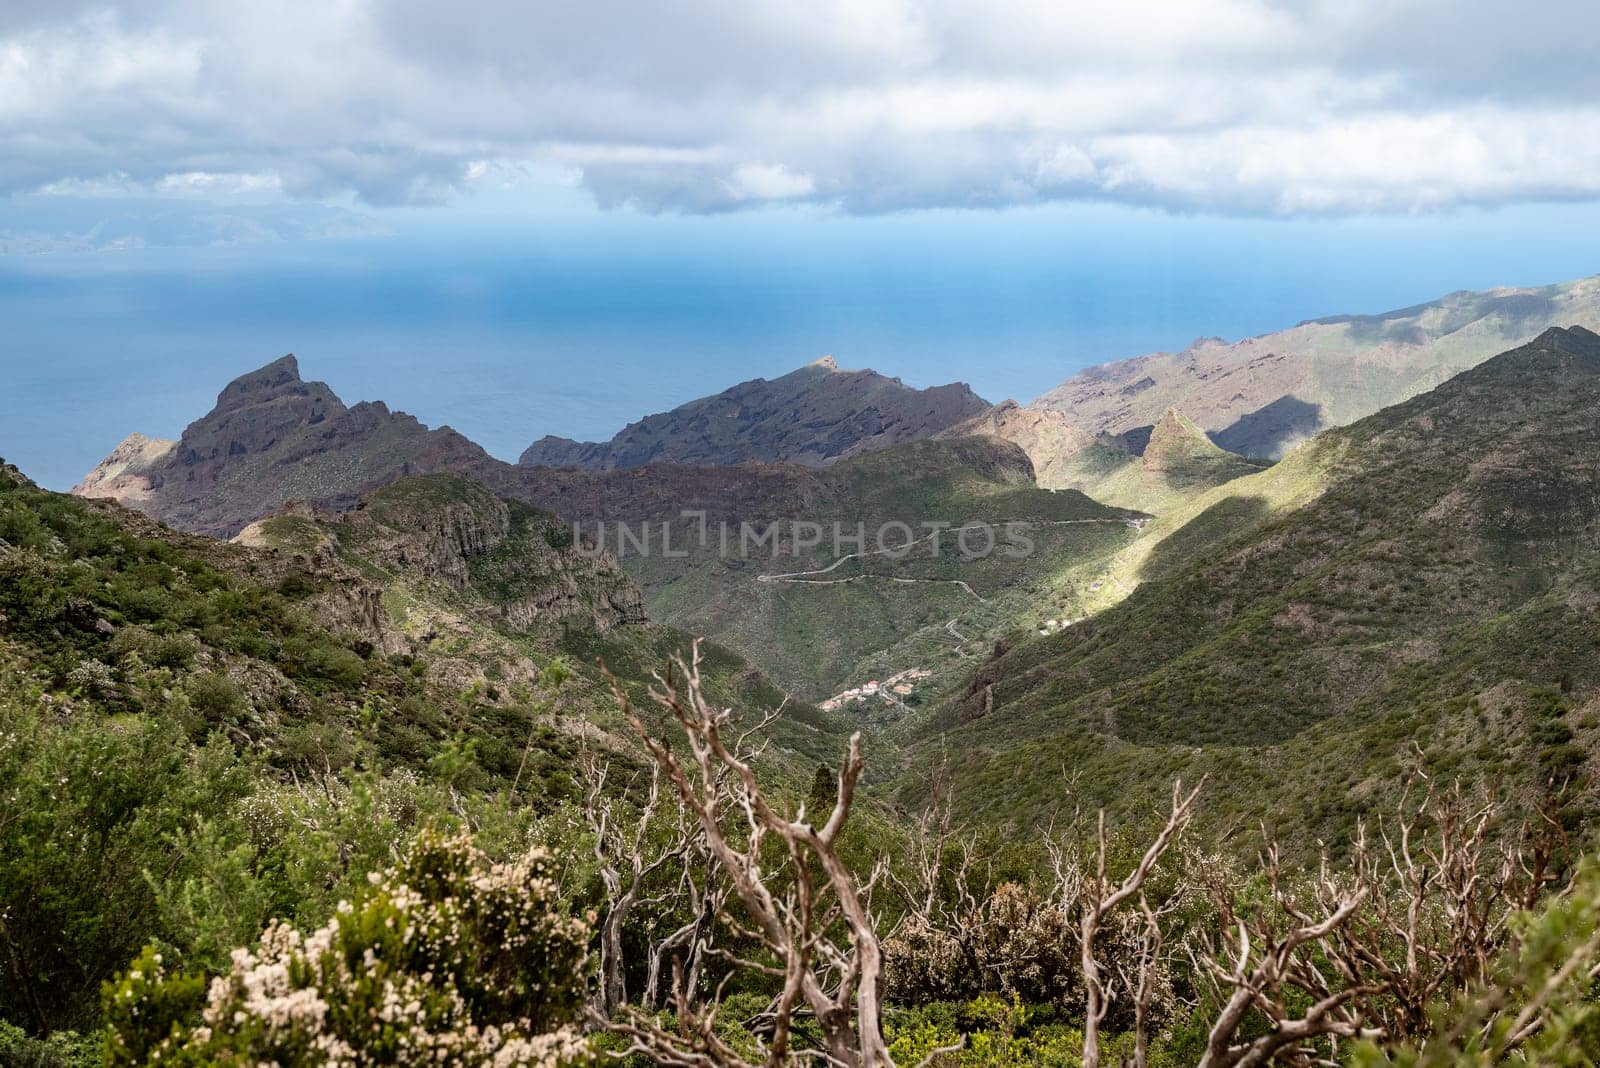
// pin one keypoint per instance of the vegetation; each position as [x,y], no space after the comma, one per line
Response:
[355,792]
[1422,575]
[444,958]
[819,620]
[198,738]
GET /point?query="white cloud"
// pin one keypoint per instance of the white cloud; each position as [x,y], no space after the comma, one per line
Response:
[1247,106]
[763,181]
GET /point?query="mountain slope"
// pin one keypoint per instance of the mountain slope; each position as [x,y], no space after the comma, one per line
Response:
[1260,396]
[1149,469]
[273,438]
[813,416]
[198,737]
[1050,441]
[521,564]
[1178,462]
[857,585]
[1429,574]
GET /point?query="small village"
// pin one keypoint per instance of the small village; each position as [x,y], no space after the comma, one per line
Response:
[892,691]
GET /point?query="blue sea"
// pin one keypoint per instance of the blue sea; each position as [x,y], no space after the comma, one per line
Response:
[509,321]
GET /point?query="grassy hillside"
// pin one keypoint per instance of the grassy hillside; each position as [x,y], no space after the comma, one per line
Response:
[197,736]
[1177,464]
[819,618]
[1427,575]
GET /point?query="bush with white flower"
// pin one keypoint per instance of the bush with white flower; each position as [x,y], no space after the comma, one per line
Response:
[446,959]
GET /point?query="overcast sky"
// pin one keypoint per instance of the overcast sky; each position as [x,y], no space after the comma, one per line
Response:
[1238,106]
[523,217]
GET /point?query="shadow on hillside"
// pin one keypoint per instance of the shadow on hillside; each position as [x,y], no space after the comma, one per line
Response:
[1193,544]
[1266,431]
[1134,441]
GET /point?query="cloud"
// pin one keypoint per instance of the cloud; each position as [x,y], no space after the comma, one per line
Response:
[112,216]
[1238,106]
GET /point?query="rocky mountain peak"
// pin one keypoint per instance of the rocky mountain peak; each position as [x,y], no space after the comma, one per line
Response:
[272,438]
[815,415]
[1175,441]
[279,378]
[120,475]
[1175,426]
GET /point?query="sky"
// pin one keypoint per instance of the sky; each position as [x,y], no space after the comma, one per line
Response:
[521,217]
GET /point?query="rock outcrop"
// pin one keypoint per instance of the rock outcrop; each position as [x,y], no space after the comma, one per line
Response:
[119,476]
[814,416]
[273,438]
[1177,446]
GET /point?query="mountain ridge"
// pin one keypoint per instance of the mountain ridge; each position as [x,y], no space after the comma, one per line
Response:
[271,438]
[1261,395]
[1423,575]
[815,415]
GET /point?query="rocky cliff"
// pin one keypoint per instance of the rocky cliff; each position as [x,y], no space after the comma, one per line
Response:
[506,561]
[118,475]
[1050,441]
[272,438]
[813,416]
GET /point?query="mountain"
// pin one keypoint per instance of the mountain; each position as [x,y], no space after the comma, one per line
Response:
[117,475]
[1050,441]
[822,613]
[1261,396]
[270,439]
[1177,461]
[275,442]
[201,736]
[1427,576]
[1149,469]
[273,439]
[813,416]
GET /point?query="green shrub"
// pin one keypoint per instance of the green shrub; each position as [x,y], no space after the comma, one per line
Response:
[63,1049]
[445,958]
[216,698]
[175,651]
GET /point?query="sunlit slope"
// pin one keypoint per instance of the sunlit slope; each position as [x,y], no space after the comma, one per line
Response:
[1417,577]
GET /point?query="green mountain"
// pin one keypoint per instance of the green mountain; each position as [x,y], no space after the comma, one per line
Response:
[1177,462]
[469,546]
[1424,577]
[812,416]
[822,613]
[198,736]
[464,591]
[1150,469]
[274,440]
